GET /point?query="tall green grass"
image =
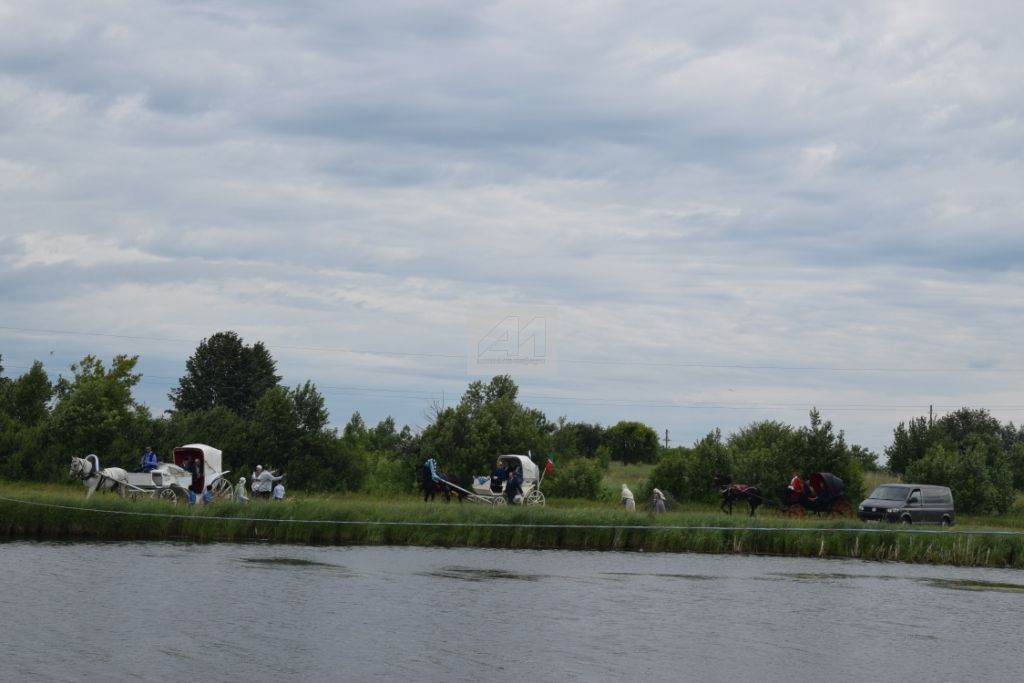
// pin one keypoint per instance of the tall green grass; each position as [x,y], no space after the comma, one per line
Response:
[62,513]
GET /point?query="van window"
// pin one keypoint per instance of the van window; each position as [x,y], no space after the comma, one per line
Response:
[915,498]
[938,496]
[890,493]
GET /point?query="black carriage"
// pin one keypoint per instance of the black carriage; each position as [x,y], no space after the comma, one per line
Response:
[822,495]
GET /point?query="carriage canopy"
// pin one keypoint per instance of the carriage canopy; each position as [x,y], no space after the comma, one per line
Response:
[210,456]
[826,484]
[530,470]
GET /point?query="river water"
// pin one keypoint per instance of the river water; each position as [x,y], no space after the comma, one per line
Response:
[167,611]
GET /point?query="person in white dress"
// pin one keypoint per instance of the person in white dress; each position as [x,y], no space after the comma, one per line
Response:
[627,499]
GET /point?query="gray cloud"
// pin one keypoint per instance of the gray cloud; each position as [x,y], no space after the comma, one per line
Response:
[781,186]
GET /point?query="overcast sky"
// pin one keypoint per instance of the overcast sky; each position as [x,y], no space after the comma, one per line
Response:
[724,212]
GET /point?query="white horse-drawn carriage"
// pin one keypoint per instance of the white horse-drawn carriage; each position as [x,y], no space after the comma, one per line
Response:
[495,491]
[170,481]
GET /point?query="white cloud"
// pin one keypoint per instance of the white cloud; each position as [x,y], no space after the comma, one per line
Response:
[694,187]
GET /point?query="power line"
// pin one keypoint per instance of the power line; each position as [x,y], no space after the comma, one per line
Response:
[606,362]
[426,395]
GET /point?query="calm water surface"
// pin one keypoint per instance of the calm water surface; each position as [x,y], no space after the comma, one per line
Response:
[164,611]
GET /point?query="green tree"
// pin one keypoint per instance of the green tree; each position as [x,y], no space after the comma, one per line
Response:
[487,422]
[820,449]
[94,412]
[310,408]
[632,442]
[224,371]
[709,457]
[219,427]
[865,457]
[274,430]
[328,463]
[24,425]
[975,475]
[571,440]
[578,479]
[910,442]
[27,398]
[672,474]
[963,424]
[763,453]
[390,458]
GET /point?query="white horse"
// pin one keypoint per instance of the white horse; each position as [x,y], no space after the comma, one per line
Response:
[88,470]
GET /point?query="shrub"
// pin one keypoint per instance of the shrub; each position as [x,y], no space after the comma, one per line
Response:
[578,479]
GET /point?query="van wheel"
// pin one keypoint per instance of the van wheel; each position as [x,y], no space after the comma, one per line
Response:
[945,521]
[905,519]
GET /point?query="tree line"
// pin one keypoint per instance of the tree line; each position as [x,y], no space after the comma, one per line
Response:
[232,397]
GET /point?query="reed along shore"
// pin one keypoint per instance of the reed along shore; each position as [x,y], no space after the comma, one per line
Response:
[31,513]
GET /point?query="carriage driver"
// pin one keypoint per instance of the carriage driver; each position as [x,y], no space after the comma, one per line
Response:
[796,487]
[148,462]
[499,477]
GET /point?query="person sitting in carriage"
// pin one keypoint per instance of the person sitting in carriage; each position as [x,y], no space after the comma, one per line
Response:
[499,477]
[796,487]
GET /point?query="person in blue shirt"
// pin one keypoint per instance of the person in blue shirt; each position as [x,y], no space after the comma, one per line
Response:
[148,462]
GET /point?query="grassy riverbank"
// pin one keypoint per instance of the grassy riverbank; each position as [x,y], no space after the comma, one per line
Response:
[61,513]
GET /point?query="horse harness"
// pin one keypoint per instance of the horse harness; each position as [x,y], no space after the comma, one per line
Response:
[93,473]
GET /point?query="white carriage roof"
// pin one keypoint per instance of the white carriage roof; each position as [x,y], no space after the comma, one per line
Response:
[530,469]
[211,456]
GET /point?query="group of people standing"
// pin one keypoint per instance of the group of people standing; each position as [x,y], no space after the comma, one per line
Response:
[629,502]
[265,485]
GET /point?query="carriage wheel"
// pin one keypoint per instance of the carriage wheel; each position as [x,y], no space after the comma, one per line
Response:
[842,508]
[169,496]
[534,498]
[222,489]
[499,500]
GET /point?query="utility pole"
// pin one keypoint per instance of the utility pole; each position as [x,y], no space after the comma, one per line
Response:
[930,416]
[666,439]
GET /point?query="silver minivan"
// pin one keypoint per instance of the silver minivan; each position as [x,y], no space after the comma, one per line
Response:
[909,504]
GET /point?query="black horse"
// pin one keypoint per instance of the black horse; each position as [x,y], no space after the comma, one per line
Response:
[431,488]
[732,493]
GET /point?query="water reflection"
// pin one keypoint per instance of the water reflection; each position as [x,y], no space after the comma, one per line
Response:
[479,574]
[967,585]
